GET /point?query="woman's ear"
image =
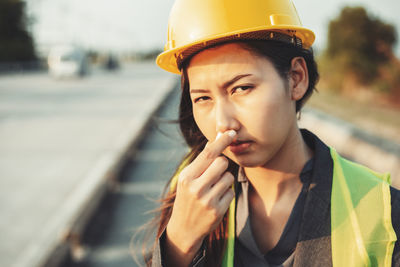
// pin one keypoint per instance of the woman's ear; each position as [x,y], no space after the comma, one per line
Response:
[298,78]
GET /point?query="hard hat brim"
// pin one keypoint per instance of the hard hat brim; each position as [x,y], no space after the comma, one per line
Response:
[168,59]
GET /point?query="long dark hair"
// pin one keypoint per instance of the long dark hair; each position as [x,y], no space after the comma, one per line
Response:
[281,55]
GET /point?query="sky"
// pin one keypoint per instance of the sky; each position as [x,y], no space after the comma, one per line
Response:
[141,25]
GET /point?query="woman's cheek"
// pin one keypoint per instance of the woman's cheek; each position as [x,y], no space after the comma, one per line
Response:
[262,121]
[205,123]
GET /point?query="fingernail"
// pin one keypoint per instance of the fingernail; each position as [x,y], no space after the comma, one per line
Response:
[232,133]
[219,134]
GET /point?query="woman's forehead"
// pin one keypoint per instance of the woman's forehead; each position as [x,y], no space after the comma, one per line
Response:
[231,51]
[223,62]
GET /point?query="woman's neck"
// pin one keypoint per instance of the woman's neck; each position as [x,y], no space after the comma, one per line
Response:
[279,178]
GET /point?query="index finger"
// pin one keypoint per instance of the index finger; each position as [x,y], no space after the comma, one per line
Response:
[212,150]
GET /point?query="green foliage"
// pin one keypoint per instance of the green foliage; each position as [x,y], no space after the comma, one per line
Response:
[16,43]
[360,43]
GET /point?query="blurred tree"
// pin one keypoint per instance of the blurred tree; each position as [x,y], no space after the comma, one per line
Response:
[16,44]
[359,44]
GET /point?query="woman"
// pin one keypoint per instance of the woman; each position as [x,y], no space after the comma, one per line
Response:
[254,189]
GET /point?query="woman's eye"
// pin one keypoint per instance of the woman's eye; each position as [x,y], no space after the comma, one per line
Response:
[240,89]
[201,99]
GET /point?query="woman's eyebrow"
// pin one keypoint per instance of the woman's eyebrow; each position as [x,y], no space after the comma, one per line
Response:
[224,85]
[233,80]
[193,91]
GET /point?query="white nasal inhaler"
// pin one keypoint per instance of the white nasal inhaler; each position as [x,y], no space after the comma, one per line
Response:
[231,133]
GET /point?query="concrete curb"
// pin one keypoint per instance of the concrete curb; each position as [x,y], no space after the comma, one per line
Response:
[377,153]
[64,229]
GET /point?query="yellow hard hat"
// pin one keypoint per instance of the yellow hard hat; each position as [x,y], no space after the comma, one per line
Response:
[195,24]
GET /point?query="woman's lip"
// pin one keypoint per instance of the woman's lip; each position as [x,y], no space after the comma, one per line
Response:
[238,142]
[238,147]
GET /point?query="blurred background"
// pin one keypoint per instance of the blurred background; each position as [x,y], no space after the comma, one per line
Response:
[87,141]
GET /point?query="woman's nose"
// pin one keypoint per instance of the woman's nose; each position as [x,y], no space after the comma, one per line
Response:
[225,117]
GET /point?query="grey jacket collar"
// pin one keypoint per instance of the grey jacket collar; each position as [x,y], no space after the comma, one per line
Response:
[314,245]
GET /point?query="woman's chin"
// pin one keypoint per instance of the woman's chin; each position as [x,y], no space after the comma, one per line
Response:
[246,162]
[249,164]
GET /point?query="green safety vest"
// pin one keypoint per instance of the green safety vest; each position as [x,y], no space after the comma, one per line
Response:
[361,223]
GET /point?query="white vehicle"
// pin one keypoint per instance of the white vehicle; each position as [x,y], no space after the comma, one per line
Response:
[67,61]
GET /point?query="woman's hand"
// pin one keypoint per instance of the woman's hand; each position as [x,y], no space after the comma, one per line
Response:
[203,196]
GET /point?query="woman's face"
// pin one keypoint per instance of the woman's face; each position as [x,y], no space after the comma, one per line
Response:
[233,88]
